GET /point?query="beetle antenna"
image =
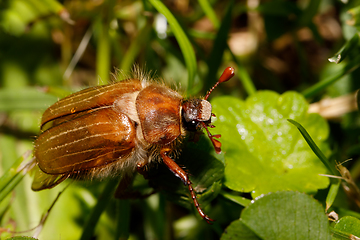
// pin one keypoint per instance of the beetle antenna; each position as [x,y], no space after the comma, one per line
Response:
[228,73]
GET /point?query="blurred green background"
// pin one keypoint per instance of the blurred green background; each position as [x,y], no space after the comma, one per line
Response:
[50,48]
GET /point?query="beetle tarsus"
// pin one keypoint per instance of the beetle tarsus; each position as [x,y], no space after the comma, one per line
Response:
[197,205]
[180,173]
[142,169]
[216,143]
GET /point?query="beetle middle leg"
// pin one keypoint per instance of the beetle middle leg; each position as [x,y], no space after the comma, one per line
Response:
[123,190]
[180,173]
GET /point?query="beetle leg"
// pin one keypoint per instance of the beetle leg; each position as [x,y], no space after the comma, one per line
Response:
[216,143]
[141,168]
[180,173]
[123,189]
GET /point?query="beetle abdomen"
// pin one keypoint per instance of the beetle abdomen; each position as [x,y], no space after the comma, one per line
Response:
[158,108]
[90,98]
[89,141]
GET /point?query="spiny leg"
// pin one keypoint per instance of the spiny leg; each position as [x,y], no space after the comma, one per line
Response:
[180,173]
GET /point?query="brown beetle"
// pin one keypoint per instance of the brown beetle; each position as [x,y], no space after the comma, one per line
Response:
[117,129]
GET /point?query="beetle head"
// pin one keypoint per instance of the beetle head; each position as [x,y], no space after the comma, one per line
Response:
[196,113]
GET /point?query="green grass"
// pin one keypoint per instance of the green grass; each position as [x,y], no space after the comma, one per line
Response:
[283,47]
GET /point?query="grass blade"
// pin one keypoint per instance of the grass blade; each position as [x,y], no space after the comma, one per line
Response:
[349,67]
[313,146]
[14,175]
[220,45]
[98,209]
[184,43]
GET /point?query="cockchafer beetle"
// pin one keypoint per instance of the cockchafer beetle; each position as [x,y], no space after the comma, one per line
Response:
[119,129]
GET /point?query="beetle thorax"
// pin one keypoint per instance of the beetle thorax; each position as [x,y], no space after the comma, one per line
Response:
[158,108]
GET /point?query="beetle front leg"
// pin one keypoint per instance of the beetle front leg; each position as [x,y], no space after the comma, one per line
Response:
[141,168]
[180,173]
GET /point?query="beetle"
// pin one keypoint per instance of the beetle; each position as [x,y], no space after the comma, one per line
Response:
[119,128]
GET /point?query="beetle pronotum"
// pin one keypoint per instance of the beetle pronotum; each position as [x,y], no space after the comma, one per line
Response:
[119,129]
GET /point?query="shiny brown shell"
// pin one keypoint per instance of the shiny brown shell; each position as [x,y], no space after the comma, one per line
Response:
[105,130]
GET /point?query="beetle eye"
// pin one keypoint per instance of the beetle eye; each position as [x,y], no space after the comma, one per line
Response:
[191,125]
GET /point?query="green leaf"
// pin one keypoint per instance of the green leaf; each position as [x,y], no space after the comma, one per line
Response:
[238,230]
[263,152]
[347,225]
[237,199]
[286,215]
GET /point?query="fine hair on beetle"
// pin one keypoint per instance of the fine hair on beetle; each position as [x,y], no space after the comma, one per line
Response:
[119,129]
[124,169]
[151,151]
